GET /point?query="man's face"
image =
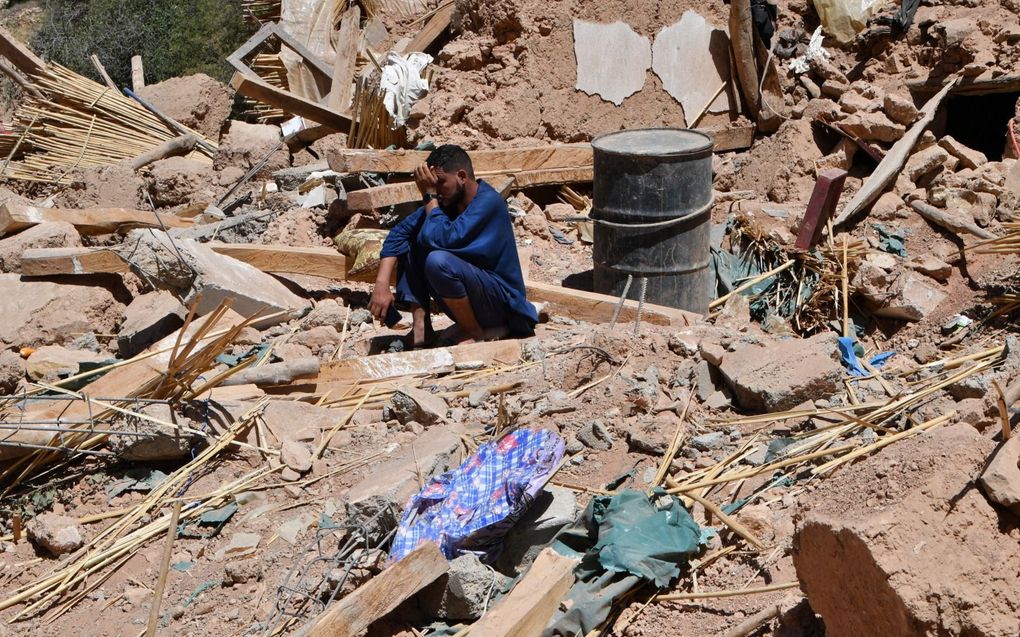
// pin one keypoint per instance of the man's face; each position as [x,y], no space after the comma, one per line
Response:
[450,187]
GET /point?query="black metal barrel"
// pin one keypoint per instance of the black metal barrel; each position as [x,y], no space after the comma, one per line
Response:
[652,201]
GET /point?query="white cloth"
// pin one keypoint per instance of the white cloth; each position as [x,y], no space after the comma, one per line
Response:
[403,84]
[815,51]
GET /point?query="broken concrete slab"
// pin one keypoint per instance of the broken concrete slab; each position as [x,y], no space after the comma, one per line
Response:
[692,58]
[903,544]
[1001,478]
[54,533]
[208,278]
[54,234]
[37,312]
[783,374]
[148,318]
[50,363]
[901,295]
[465,592]
[612,60]
[553,509]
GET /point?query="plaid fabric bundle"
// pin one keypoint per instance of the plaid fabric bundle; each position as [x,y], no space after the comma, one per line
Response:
[470,509]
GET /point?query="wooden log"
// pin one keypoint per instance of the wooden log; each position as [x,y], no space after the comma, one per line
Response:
[509,160]
[137,73]
[90,221]
[435,27]
[55,261]
[983,84]
[176,147]
[598,308]
[527,609]
[18,78]
[407,192]
[251,85]
[346,59]
[20,55]
[354,613]
[275,373]
[950,222]
[102,71]
[742,44]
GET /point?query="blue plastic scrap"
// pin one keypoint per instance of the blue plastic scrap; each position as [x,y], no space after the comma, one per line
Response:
[470,509]
[852,363]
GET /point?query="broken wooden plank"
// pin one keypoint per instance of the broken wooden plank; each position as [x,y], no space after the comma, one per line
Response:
[353,614]
[137,73]
[427,362]
[743,55]
[251,85]
[20,55]
[102,71]
[887,170]
[729,139]
[55,261]
[407,192]
[89,221]
[346,59]
[509,160]
[312,261]
[435,27]
[527,609]
[598,308]
[275,373]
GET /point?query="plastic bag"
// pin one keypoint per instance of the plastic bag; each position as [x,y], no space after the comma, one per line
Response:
[844,19]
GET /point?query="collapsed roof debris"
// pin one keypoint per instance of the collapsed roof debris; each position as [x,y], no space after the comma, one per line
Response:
[204,431]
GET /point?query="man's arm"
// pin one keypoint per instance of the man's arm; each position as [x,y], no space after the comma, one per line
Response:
[443,233]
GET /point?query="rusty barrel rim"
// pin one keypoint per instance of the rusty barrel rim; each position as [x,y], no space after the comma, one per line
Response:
[604,143]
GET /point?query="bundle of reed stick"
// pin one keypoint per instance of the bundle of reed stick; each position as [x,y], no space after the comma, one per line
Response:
[261,11]
[1008,243]
[371,124]
[79,124]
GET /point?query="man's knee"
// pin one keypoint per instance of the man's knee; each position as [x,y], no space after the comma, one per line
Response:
[440,265]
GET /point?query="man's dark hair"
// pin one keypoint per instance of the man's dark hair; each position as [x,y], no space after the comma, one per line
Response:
[451,158]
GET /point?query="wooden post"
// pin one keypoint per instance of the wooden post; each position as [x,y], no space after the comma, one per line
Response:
[137,73]
[346,59]
[164,567]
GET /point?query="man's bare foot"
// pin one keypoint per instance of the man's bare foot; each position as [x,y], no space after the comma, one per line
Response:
[454,335]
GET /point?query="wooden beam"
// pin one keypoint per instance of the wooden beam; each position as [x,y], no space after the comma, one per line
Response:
[137,73]
[728,139]
[435,27]
[312,261]
[527,609]
[255,87]
[54,261]
[102,72]
[20,55]
[483,161]
[425,362]
[17,216]
[599,308]
[981,85]
[353,614]
[407,192]
[346,60]
[312,62]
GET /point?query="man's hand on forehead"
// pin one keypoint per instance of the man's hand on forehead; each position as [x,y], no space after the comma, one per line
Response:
[426,180]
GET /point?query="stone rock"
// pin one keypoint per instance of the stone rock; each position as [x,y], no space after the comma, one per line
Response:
[887,205]
[37,312]
[1001,479]
[852,102]
[394,481]
[242,571]
[54,533]
[56,234]
[595,435]
[933,267]
[924,162]
[327,313]
[873,127]
[50,363]
[210,278]
[717,400]
[901,295]
[703,380]
[652,435]
[246,144]
[478,397]
[969,158]
[317,338]
[410,403]
[148,318]
[553,509]
[464,592]
[900,109]
[178,181]
[903,544]
[712,352]
[378,513]
[160,443]
[709,442]
[12,371]
[197,101]
[758,519]
[296,456]
[783,374]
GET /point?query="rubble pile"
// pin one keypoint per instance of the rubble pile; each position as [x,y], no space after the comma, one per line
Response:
[204,431]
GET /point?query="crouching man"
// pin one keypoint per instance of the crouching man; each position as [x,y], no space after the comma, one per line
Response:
[458,249]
